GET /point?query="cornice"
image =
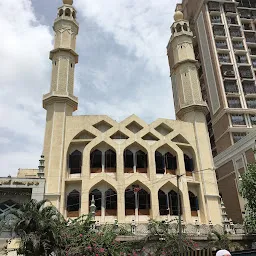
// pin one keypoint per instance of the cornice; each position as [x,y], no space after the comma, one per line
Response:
[68,50]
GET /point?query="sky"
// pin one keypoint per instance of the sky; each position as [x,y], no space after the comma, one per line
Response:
[122,70]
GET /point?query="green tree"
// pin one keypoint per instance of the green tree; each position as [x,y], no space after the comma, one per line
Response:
[38,224]
[248,192]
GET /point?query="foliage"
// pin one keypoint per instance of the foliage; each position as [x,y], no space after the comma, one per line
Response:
[164,241]
[247,189]
[222,241]
[38,224]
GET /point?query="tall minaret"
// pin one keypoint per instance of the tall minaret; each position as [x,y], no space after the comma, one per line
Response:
[190,107]
[60,102]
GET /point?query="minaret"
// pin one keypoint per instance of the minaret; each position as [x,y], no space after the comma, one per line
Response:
[183,65]
[60,102]
[191,108]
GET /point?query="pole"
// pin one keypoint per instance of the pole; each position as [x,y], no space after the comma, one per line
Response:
[179,214]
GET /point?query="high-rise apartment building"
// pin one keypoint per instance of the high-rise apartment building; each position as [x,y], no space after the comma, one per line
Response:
[225,46]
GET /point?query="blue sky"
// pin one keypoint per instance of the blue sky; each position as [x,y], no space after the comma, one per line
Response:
[122,70]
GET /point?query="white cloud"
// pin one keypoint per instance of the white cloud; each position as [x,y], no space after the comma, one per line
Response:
[25,71]
[134,81]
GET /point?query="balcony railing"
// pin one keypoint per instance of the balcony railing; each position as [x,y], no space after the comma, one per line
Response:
[245,73]
[224,58]
[245,14]
[219,32]
[230,87]
[235,33]
[238,120]
[238,46]
[241,59]
[229,8]
[250,39]
[221,45]
[249,89]
[213,6]
[251,103]
[216,19]
[234,103]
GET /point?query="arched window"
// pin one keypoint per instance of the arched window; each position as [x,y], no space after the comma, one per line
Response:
[67,12]
[185,27]
[178,28]
[73,204]
[143,202]
[98,200]
[96,161]
[163,204]
[128,161]
[194,205]
[159,159]
[110,161]
[74,14]
[173,199]
[111,203]
[189,164]
[170,163]
[75,162]
[141,162]
[129,202]
[60,12]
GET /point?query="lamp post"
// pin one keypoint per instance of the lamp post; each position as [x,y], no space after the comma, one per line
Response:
[41,167]
[92,212]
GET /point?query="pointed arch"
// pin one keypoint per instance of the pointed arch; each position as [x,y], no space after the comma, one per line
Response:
[163,203]
[144,203]
[110,202]
[96,161]
[67,12]
[189,165]
[170,163]
[141,161]
[128,161]
[61,12]
[73,204]
[110,161]
[178,28]
[75,162]
[160,165]
[194,204]
[98,201]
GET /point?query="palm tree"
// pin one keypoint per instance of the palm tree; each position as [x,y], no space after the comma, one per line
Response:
[38,224]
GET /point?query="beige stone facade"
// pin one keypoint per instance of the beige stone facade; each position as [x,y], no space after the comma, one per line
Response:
[130,167]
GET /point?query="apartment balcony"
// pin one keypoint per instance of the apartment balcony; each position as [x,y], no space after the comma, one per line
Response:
[247,26]
[252,51]
[251,103]
[231,87]
[224,59]
[253,120]
[218,31]
[249,87]
[235,32]
[221,45]
[238,120]
[227,71]
[216,20]
[232,21]
[245,14]
[214,6]
[245,73]
[246,4]
[238,136]
[234,102]
[254,63]
[229,7]
[250,38]
[254,14]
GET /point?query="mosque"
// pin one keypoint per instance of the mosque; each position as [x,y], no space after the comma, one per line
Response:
[131,168]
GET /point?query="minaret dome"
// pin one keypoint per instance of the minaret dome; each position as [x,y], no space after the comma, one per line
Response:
[70,2]
[178,15]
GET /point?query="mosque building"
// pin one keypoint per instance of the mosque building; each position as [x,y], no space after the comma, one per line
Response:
[131,168]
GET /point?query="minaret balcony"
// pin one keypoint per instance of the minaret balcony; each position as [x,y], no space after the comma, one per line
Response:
[53,97]
[72,52]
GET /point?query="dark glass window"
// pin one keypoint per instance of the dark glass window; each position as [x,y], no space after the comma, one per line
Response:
[143,199]
[73,201]
[129,199]
[194,205]
[162,200]
[75,162]
[128,159]
[159,159]
[189,163]
[238,120]
[111,199]
[110,159]
[141,159]
[170,161]
[97,198]
[96,159]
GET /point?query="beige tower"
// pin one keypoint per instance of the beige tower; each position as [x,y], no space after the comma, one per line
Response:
[189,105]
[60,102]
